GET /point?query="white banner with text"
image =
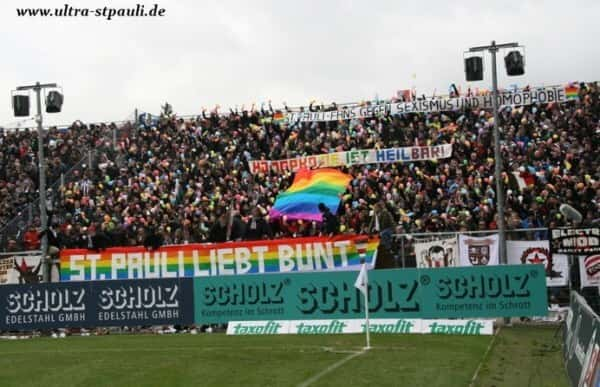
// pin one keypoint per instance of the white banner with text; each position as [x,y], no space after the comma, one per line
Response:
[354,157]
[344,326]
[431,105]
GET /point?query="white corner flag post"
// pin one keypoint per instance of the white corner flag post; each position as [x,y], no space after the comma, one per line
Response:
[362,281]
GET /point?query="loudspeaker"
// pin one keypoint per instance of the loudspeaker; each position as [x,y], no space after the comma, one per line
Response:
[21,105]
[54,101]
[514,63]
[474,68]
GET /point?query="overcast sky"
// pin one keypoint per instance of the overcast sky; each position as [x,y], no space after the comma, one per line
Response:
[203,53]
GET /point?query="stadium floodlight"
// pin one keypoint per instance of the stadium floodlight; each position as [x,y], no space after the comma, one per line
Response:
[54,101]
[493,49]
[514,63]
[20,105]
[474,68]
[42,171]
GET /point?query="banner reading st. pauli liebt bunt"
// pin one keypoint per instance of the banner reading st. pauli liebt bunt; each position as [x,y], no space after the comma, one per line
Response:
[214,259]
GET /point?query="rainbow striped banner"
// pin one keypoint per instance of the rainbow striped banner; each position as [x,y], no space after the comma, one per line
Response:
[210,259]
[309,189]
[572,92]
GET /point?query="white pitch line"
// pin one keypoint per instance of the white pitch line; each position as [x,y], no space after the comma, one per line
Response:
[332,350]
[476,374]
[332,367]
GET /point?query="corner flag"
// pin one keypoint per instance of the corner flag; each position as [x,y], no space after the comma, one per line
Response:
[362,280]
[362,284]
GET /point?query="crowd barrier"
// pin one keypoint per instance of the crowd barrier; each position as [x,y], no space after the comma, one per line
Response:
[581,349]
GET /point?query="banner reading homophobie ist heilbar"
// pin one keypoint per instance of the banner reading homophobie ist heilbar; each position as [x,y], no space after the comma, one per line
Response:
[214,259]
[518,98]
[354,157]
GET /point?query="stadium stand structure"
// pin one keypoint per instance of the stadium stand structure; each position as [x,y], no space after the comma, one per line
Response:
[181,177]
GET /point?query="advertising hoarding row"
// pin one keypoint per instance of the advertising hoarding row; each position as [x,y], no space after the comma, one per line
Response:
[476,292]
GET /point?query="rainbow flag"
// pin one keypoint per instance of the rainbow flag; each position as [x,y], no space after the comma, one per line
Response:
[278,116]
[311,187]
[572,92]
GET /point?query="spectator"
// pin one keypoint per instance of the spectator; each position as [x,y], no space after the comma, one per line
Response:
[54,243]
[178,175]
[383,224]
[330,223]
[97,240]
[31,239]
[154,239]
[218,233]
[256,226]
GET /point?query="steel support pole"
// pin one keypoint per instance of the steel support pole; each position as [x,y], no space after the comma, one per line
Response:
[42,187]
[498,160]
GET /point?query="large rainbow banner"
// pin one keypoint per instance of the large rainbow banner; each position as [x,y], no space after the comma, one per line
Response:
[311,188]
[343,252]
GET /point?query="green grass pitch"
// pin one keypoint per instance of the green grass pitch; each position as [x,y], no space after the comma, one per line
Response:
[519,356]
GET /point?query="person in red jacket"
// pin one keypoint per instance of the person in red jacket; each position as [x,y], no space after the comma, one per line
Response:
[31,239]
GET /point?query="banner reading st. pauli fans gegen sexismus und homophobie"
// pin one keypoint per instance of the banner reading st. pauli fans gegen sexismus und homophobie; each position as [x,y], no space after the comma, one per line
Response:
[430,105]
[354,157]
[213,259]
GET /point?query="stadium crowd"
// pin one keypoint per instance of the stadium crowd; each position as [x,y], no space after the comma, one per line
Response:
[174,180]
[19,161]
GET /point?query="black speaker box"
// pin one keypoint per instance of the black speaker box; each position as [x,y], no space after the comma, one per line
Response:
[21,105]
[474,68]
[514,63]
[54,101]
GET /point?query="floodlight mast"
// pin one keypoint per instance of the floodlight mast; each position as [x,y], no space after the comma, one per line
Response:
[493,49]
[42,172]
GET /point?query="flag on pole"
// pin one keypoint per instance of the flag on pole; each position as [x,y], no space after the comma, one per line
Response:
[362,281]
[362,284]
